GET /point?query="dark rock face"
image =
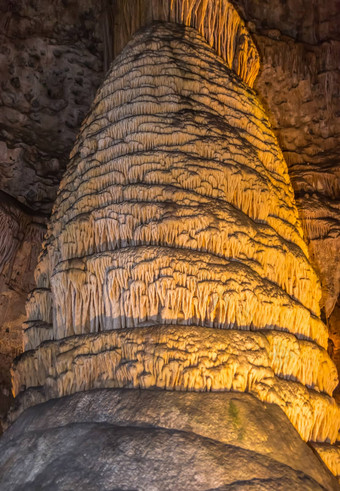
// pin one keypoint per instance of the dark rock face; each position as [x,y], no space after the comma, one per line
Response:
[156,460]
[128,439]
[50,68]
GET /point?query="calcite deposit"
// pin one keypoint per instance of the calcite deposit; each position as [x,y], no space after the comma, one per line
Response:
[174,258]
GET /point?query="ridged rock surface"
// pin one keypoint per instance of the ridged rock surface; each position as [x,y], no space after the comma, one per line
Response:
[99,440]
[175,232]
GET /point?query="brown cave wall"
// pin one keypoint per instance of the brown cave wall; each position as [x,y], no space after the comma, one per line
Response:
[51,60]
[51,66]
[334,330]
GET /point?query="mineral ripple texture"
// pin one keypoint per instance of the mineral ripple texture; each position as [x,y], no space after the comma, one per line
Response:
[174,259]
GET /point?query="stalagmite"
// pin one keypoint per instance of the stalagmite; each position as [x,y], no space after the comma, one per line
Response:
[174,257]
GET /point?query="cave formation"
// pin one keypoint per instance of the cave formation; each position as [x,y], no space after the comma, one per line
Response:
[175,326]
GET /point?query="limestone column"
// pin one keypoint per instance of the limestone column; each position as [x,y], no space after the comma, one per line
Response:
[174,333]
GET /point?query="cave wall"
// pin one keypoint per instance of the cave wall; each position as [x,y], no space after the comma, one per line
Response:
[52,61]
[20,244]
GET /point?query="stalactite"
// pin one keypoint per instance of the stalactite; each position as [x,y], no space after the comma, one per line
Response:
[8,238]
[17,226]
[35,333]
[39,305]
[210,227]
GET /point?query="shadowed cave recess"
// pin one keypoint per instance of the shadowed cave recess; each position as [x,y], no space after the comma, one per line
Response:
[176,325]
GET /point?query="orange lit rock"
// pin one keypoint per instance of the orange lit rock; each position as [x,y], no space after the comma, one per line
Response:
[330,455]
[191,359]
